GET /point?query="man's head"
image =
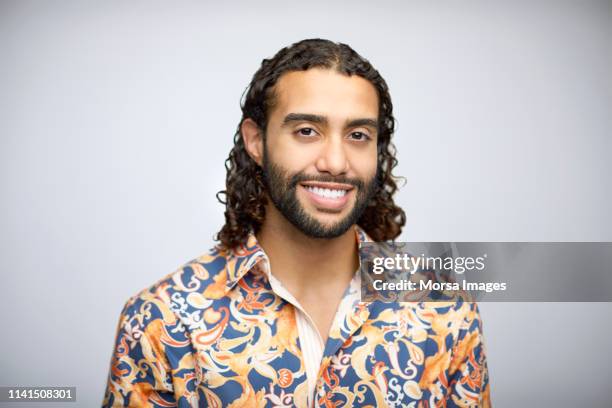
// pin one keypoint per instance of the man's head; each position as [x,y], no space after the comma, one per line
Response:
[314,139]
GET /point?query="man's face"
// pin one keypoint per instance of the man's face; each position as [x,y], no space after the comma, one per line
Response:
[320,155]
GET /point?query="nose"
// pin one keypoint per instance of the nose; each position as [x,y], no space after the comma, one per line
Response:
[333,158]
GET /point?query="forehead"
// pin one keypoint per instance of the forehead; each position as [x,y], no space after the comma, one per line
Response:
[325,92]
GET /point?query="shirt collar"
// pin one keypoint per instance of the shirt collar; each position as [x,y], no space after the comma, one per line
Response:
[242,260]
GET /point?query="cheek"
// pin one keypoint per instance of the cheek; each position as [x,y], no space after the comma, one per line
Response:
[293,156]
[365,163]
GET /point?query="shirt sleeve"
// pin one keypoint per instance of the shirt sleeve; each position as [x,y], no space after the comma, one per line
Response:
[468,372]
[140,374]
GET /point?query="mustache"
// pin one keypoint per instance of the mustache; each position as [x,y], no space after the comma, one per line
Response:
[325,178]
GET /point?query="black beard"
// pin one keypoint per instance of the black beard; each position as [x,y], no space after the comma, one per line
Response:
[283,192]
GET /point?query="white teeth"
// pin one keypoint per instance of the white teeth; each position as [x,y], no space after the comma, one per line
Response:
[326,192]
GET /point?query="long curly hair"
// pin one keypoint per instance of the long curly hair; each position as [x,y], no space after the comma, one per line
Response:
[245,194]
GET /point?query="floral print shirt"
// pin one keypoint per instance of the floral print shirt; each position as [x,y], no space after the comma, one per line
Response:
[215,334]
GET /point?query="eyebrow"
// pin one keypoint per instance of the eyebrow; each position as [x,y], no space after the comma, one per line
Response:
[304,117]
[308,117]
[363,122]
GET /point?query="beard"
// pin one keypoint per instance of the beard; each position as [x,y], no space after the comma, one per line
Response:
[282,189]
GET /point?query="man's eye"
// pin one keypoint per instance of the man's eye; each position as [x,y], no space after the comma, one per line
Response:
[306,132]
[359,136]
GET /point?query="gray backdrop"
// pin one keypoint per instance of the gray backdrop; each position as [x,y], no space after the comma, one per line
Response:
[116,117]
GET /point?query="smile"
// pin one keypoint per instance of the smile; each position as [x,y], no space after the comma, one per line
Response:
[326,192]
[328,196]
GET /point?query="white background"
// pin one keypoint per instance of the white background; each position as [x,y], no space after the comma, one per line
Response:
[116,118]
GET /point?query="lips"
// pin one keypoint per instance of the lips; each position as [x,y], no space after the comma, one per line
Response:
[328,196]
[331,186]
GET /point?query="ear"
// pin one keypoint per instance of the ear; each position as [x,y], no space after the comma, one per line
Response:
[253,140]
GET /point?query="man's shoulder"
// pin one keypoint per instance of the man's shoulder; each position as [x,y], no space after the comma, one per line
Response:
[193,285]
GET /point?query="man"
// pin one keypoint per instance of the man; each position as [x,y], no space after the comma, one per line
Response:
[272,316]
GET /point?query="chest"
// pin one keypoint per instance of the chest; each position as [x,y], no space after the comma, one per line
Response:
[256,359]
[320,313]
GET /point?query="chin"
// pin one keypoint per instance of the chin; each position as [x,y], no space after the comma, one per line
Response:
[330,222]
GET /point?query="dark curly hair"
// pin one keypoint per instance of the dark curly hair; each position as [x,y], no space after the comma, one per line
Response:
[245,194]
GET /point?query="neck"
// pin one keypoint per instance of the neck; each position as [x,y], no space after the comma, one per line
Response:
[307,265]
